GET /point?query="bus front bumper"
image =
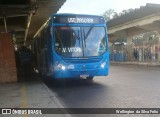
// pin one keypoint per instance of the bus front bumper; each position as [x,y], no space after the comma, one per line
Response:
[65,73]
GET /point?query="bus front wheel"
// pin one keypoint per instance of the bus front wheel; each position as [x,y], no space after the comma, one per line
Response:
[90,78]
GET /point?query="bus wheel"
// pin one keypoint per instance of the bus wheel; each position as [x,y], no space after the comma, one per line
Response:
[90,78]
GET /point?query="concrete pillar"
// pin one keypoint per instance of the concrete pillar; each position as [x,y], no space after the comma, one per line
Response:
[129,48]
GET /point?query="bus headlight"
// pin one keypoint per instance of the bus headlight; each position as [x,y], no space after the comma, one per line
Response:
[103,64]
[63,67]
[60,66]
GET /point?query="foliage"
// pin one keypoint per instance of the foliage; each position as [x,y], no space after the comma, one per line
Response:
[111,14]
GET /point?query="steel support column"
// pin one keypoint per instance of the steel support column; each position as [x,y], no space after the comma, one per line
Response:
[5,24]
[27,28]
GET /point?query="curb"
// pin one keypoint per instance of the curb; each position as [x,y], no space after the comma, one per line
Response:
[137,64]
[56,101]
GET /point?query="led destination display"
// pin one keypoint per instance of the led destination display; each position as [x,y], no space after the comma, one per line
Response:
[79,19]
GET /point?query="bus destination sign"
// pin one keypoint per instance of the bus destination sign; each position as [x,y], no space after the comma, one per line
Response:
[78,19]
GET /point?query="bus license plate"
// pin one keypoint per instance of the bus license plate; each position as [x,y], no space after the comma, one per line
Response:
[84,76]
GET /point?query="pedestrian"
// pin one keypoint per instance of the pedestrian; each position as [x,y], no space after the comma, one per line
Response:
[25,56]
[136,54]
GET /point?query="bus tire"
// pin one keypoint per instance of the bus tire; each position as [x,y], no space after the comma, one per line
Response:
[90,78]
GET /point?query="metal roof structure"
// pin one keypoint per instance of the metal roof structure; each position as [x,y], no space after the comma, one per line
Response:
[137,21]
[25,17]
[143,11]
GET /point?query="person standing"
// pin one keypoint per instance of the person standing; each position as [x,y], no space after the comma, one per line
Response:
[25,56]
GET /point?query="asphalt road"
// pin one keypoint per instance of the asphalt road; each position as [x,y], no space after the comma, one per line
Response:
[125,87]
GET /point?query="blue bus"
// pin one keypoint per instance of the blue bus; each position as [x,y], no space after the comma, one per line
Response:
[72,46]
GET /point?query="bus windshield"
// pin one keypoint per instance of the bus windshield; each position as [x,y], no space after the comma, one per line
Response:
[80,41]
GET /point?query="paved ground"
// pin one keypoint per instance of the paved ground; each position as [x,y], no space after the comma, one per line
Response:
[28,93]
[126,87]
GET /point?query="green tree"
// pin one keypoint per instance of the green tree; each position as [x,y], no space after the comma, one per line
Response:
[130,10]
[108,14]
[115,15]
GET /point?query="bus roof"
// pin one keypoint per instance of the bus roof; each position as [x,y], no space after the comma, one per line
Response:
[74,14]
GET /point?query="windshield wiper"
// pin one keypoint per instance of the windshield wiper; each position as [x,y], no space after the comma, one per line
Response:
[89,31]
[87,34]
[84,38]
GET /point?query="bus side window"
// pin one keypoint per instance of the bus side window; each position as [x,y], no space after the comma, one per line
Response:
[38,44]
[42,39]
[46,32]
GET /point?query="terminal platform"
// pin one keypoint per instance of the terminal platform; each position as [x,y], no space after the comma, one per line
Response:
[28,93]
